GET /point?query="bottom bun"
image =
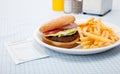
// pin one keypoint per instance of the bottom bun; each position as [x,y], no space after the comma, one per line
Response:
[61,44]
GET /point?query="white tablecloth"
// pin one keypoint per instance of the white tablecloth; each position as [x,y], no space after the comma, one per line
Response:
[19,19]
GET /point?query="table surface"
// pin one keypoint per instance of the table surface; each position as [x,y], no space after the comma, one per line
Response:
[19,19]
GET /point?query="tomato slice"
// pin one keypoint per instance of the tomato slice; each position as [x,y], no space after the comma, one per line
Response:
[73,25]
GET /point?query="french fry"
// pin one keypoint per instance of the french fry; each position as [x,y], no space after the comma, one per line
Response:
[93,46]
[82,24]
[94,34]
[96,37]
[84,38]
[98,27]
[103,34]
[91,19]
[96,31]
[85,28]
[85,43]
[80,32]
[86,47]
[101,44]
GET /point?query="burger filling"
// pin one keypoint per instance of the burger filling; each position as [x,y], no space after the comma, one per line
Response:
[64,34]
[63,38]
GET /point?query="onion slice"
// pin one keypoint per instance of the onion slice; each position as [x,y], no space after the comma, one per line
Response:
[73,25]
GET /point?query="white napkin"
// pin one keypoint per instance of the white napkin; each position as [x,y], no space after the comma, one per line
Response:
[24,50]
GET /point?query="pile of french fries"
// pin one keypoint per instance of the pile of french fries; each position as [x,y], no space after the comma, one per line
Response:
[94,34]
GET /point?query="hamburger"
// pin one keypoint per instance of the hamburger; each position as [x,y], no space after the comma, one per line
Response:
[60,32]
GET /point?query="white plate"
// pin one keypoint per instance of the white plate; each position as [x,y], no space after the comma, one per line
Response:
[78,49]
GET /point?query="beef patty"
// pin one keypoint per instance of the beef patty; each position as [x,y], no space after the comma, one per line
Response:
[64,38]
